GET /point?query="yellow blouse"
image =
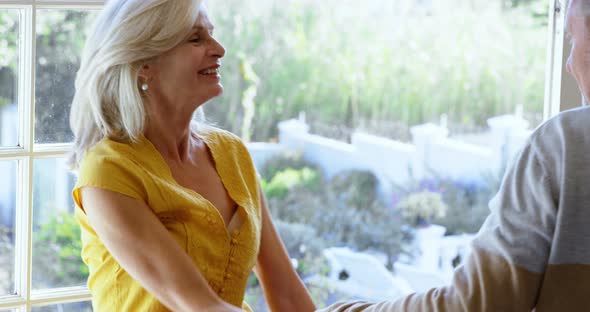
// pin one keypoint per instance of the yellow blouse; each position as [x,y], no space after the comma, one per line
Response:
[138,170]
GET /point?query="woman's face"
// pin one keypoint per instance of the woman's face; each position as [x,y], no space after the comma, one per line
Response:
[189,73]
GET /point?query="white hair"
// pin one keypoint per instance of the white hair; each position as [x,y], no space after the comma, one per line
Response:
[126,35]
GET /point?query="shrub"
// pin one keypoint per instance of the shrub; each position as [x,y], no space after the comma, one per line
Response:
[287,160]
[466,202]
[299,239]
[356,188]
[345,211]
[422,207]
[287,179]
[56,260]
[6,261]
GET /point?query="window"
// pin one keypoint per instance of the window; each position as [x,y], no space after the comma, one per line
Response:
[332,82]
[40,265]
[383,129]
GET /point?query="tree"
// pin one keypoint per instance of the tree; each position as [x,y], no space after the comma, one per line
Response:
[9,25]
[60,39]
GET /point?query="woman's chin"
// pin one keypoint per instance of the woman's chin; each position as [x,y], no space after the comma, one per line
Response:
[217,92]
[202,100]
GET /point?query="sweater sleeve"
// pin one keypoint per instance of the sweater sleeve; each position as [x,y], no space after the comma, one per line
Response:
[510,253]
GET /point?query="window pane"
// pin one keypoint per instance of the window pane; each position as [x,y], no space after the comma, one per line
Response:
[60,39]
[65,307]
[56,234]
[9,33]
[7,226]
[394,130]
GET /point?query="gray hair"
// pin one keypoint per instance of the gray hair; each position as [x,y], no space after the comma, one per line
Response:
[583,7]
[127,33]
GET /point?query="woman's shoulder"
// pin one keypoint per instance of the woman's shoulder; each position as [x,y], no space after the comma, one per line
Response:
[217,135]
[112,166]
[221,140]
[110,147]
[108,151]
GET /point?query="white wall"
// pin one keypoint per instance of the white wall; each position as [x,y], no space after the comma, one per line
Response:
[430,152]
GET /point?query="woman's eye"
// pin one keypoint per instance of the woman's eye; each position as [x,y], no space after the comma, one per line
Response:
[196,39]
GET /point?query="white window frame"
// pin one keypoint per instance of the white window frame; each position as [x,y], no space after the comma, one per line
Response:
[561,93]
[26,154]
[561,90]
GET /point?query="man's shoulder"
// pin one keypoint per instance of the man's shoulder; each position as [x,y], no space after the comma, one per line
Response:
[561,141]
[563,130]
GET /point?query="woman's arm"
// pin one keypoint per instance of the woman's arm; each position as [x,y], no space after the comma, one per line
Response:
[283,289]
[144,248]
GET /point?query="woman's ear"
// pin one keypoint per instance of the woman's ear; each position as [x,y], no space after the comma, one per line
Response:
[146,75]
[146,72]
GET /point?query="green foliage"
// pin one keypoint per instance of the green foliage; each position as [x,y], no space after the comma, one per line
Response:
[57,247]
[287,179]
[311,213]
[6,262]
[392,63]
[467,204]
[422,207]
[9,28]
[249,84]
[302,243]
[342,63]
[518,3]
[345,211]
[363,195]
[287,160]
[59,42]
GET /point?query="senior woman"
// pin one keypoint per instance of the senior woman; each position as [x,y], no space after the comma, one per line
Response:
[171,212]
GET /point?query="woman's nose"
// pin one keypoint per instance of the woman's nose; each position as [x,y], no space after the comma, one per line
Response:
[217,50]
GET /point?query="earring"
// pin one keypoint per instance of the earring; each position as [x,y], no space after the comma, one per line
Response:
[144,87]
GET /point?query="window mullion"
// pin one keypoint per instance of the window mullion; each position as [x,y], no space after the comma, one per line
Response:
[27,164]
[22,232]
[554,56]
[561,90]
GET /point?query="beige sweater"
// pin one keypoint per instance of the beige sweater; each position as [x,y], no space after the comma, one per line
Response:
[533,251]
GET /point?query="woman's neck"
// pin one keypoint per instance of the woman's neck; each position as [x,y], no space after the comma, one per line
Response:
[171,136]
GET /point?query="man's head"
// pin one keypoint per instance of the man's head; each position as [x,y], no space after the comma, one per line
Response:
[578,31]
